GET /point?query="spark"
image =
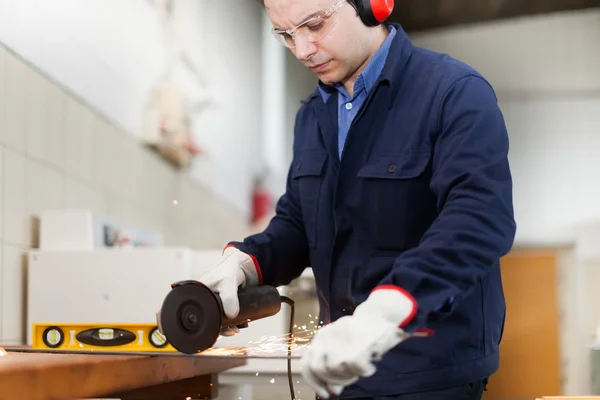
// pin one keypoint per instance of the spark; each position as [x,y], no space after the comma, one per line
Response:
[175,202]
[272,380]
[225,351]
[300,338]
[273,344]
[3,352]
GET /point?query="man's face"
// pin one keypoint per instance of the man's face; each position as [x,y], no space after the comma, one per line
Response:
[335,56]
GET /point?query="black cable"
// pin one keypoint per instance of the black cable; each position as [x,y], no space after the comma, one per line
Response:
[290,302]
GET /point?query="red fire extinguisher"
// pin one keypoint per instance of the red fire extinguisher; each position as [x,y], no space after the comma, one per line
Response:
[261,200]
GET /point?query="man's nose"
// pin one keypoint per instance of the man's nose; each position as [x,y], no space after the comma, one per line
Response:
[304,48]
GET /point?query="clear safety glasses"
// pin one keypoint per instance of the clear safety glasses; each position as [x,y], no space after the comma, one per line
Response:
[313,29]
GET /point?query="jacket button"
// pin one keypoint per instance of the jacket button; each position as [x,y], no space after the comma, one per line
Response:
[392,168]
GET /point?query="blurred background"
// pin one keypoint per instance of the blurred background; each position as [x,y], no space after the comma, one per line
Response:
[138,137]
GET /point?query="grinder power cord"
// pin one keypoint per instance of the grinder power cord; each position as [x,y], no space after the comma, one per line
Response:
[193,316]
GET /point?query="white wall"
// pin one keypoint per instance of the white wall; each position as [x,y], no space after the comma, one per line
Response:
[545,71]
[110,53]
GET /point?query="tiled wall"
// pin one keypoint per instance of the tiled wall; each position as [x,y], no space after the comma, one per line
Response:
[57,152]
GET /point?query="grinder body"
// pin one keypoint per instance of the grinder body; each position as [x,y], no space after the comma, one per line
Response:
[192,315]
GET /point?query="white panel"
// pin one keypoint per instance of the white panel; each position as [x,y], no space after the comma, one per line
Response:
[68,230]
[79,195]
[16,76]
[156,184]
[121,211]
[165,188]
[44,188]
[173,235]
[103,138]
[17,224]
[127,181]
[55,133]
[36,116]
[13,295]
[79,123]
[177,213]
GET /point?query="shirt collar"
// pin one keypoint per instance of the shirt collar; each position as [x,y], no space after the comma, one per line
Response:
[369,75]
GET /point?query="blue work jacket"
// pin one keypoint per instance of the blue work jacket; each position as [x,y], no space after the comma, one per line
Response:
[421,198]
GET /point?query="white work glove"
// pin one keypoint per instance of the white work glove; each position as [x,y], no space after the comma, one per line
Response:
[235,269]
[344,351]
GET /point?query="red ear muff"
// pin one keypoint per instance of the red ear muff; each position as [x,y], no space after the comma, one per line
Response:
[374,12]
[382,9]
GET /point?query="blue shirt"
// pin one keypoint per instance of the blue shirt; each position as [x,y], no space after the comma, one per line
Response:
[348,106]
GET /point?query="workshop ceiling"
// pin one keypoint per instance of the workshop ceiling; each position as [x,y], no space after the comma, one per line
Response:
[420,15]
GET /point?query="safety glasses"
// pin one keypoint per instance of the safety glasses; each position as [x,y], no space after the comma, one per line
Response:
[313,29]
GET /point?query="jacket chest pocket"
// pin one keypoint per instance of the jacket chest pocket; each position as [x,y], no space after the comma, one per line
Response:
[307,171]
[395,196]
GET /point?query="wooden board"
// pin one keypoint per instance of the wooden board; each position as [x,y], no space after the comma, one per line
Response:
[35,376]
[530,348]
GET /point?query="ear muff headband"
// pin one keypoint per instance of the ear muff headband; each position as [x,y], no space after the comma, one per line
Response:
[373,12]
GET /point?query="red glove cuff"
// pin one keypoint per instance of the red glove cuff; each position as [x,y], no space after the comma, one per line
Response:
[254,260]
[411,301]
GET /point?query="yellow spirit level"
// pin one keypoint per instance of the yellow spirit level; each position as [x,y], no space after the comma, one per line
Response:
[109,337]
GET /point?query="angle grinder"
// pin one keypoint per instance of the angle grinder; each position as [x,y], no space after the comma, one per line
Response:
[192,314]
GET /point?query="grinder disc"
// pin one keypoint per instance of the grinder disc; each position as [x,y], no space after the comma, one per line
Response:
[191,318]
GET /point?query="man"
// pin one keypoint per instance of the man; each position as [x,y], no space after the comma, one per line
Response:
[399,197]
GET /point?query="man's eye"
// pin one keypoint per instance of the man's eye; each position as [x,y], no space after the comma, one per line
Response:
[316,26]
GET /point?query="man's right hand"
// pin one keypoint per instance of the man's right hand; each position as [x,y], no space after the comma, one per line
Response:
[235,269]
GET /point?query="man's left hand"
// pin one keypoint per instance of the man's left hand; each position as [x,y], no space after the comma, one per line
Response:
[345,350]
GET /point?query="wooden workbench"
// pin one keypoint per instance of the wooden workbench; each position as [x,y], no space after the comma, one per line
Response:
[38,376]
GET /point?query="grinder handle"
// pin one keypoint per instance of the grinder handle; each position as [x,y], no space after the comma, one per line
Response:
[256,302]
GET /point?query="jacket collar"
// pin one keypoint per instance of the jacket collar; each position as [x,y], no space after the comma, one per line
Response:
[399,54]
[369,76]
